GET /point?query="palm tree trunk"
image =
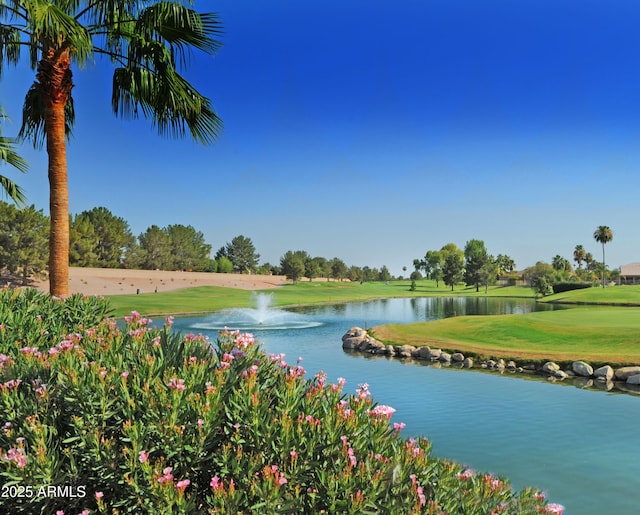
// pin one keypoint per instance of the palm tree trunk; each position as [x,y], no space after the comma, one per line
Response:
[55,79]
[604,268]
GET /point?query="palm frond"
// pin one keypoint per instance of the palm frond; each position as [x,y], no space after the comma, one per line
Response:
[13,191]
[180,27]
[173,105]
[9,45]
[53,24]
[33,118]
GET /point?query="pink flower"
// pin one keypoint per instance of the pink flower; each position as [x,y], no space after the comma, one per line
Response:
[181,485]
[99,495]
[467,474]
[381,411]
[143,456]
[60,512]
[84,512]
[176,384]
[200,422]
[125,374]
[555,508]
[216,484]
[293,454]
[399,426]
[167,476]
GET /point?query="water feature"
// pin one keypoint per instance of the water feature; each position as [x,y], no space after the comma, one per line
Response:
[261,317]
[579,446]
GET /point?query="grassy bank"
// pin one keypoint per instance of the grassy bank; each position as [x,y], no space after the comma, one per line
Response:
[210,298]
[594,334]
[612,295]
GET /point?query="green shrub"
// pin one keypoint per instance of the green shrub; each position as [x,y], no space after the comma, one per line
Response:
[568,286]
[140,420]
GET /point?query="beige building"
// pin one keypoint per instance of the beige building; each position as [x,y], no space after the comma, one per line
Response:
[630,274]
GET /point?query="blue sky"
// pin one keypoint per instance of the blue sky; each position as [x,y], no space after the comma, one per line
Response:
[375,131]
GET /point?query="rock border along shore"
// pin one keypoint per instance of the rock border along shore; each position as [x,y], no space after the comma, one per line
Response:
[626,379]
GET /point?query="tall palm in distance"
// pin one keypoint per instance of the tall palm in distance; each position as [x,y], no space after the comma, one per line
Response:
[579,255]
[603,234]
[147,42]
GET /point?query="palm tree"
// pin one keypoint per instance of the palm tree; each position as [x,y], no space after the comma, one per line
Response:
[604,235]
[146,42]
[579,255]
[8,155]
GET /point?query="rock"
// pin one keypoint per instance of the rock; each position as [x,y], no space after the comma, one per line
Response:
[550,367]
[491,364]
[622,374]
[559,374]
[604,373]
[445,357]
[467,363]
[389,350]
[458,357]
[435,354]
[500,365]
[423,352]
[511,365]
[404,351]
[635,379]
[353,338]
[582,369]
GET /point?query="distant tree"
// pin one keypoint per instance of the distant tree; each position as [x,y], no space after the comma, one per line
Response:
[224,265]
[83,242]
[338,269]
[384,274]
[23,240]
[540,277]
[292,264]
[324,267]
[589,261]
[452,264]
[561,264]
[476,258]
[404,270]
[155,243]
[311,268]
[505,264]
[189,251]
[433,261]
[488,274]
[354,273]
[603,234]
[114,236]
[579,255]
[242,253]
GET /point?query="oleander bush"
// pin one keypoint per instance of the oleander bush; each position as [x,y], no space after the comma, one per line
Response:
[105,417]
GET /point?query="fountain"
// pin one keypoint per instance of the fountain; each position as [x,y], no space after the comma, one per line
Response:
[262,317]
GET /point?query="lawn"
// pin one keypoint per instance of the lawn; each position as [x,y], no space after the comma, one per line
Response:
[209,298]
[595,334]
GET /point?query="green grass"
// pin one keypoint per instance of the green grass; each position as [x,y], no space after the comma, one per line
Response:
[208,298]
[623,295]
[595,334]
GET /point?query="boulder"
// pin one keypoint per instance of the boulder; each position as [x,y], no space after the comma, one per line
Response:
[467,363]
[389,350]
[404,351]
[582,369]
[635,379]
[434,354]
[622,374]
[353,338]
[491,364]
[604,373]
[550,367]
[445,357]
[458,357]
[423,352]
[511,365]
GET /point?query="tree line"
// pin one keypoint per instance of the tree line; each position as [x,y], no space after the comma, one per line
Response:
[476,267]
[98,238]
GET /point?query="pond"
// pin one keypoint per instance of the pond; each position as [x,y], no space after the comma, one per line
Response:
[579,446]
